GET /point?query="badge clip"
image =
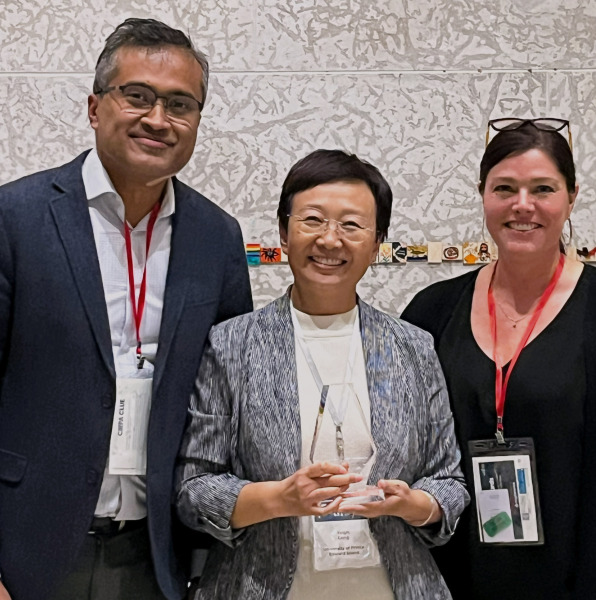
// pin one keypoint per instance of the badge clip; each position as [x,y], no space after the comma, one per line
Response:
[499,433]
[140,357]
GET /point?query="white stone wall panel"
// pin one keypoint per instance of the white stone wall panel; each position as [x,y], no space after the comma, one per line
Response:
[407,84]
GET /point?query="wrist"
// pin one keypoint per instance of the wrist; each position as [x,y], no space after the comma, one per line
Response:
[256,502]
[429,508]
[276,504]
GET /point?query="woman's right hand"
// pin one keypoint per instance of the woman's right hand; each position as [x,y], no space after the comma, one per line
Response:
[298,495]
[303,492]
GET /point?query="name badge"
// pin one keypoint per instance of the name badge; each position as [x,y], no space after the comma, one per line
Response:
[128,444]
[343,541]
[506,490]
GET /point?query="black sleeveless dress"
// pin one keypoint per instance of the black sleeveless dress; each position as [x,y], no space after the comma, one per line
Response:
[546,399]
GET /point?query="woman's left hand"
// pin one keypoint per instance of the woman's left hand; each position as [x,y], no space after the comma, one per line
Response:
[413,506]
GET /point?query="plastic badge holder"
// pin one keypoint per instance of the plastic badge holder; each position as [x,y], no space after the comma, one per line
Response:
[506,490]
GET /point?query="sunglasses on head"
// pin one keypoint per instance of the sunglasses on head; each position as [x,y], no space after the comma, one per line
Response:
[544,124]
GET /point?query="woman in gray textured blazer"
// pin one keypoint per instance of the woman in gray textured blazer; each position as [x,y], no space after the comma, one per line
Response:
[244,474]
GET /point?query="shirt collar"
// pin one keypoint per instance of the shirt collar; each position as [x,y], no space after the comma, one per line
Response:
[102,194]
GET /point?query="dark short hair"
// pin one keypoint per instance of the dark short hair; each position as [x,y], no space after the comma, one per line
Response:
[511,142]
[327,166]
[144,33]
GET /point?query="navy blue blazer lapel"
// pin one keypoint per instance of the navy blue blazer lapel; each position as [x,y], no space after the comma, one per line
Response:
[70,211]
[193,246]
[390,400]
[186,249]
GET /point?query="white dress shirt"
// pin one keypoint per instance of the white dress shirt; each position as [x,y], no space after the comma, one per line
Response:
[124,497]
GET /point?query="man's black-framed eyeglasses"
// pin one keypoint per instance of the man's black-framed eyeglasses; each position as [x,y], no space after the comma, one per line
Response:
[140,99]
[544,124]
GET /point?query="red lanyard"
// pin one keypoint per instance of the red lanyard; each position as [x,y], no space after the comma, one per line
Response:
[500,385]
[137,310]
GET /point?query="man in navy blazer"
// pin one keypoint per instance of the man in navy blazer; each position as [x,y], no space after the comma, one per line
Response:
[80,518]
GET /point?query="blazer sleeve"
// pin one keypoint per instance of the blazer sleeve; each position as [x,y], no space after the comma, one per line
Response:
[440,474]
[206,488]
[6,277]
[236,297]
[6,287]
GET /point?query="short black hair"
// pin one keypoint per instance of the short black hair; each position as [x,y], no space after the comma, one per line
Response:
[327,166]
[144,33]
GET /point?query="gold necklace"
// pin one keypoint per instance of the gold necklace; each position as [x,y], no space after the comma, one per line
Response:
[514,321]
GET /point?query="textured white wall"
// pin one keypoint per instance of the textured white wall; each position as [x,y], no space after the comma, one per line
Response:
[406,84]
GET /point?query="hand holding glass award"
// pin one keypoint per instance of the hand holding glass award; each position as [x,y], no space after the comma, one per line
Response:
[342,435]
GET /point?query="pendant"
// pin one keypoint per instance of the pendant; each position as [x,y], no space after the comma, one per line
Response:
[339,443]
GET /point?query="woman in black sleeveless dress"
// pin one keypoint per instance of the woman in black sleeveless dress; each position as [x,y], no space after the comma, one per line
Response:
[527,183]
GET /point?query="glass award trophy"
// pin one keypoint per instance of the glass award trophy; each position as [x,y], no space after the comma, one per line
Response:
[342,435]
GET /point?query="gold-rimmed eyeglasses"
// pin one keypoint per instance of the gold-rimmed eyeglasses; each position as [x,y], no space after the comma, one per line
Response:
[544,124]
[140,99]
[349,230]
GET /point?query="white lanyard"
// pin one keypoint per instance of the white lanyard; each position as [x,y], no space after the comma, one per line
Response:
[339,415]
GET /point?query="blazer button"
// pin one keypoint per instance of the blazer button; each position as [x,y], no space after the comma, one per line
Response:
[92,476]
[107,400]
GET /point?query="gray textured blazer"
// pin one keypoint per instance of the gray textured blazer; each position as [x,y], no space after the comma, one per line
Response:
[244,426]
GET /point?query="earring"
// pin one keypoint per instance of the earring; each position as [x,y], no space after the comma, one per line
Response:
[570,238]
